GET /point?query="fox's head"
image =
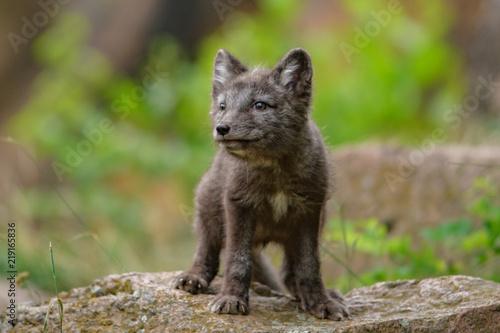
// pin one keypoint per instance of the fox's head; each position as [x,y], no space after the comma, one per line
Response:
[261,113]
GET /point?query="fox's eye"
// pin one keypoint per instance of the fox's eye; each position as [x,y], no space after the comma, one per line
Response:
[222,106]
[260,106]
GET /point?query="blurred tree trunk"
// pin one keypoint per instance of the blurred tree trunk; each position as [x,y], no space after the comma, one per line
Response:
[477,33]
[16,68]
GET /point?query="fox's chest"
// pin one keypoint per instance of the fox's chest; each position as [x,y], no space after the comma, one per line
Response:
[279,202]
[276,196]
[277,215]
[283,203]
[276,208]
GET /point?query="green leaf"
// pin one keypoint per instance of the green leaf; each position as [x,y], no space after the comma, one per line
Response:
[477,240]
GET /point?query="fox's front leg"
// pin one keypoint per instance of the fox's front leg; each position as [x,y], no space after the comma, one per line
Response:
[239,230]
[301,273]
[206,259]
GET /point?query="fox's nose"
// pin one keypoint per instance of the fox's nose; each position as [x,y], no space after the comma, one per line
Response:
[222,129]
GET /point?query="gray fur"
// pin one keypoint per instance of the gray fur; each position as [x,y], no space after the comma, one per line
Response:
[268,182]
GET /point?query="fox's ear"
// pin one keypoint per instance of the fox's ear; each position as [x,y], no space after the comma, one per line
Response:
[294,71]
[226,67]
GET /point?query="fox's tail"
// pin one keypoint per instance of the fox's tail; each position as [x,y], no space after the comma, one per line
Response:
[264,272]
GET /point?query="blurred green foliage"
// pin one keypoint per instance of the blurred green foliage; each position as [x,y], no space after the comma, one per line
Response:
[469,246]
[396,87]
[131,188]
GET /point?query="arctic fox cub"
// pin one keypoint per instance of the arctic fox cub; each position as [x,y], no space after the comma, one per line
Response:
[268,183]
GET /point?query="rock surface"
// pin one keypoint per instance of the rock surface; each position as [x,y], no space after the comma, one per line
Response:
[410,188]
[144,302]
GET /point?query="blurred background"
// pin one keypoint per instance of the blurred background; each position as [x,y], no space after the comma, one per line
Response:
[105,130]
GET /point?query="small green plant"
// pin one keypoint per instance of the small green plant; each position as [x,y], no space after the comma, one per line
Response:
[470,245]
[59,302]
[348,250]
[476,238]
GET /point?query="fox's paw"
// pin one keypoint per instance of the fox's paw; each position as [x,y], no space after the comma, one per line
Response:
[336,295]
[330,309]
[191,283]
[228,304]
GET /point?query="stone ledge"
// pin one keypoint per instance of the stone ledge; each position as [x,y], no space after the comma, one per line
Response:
[409,189]
[144,302]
